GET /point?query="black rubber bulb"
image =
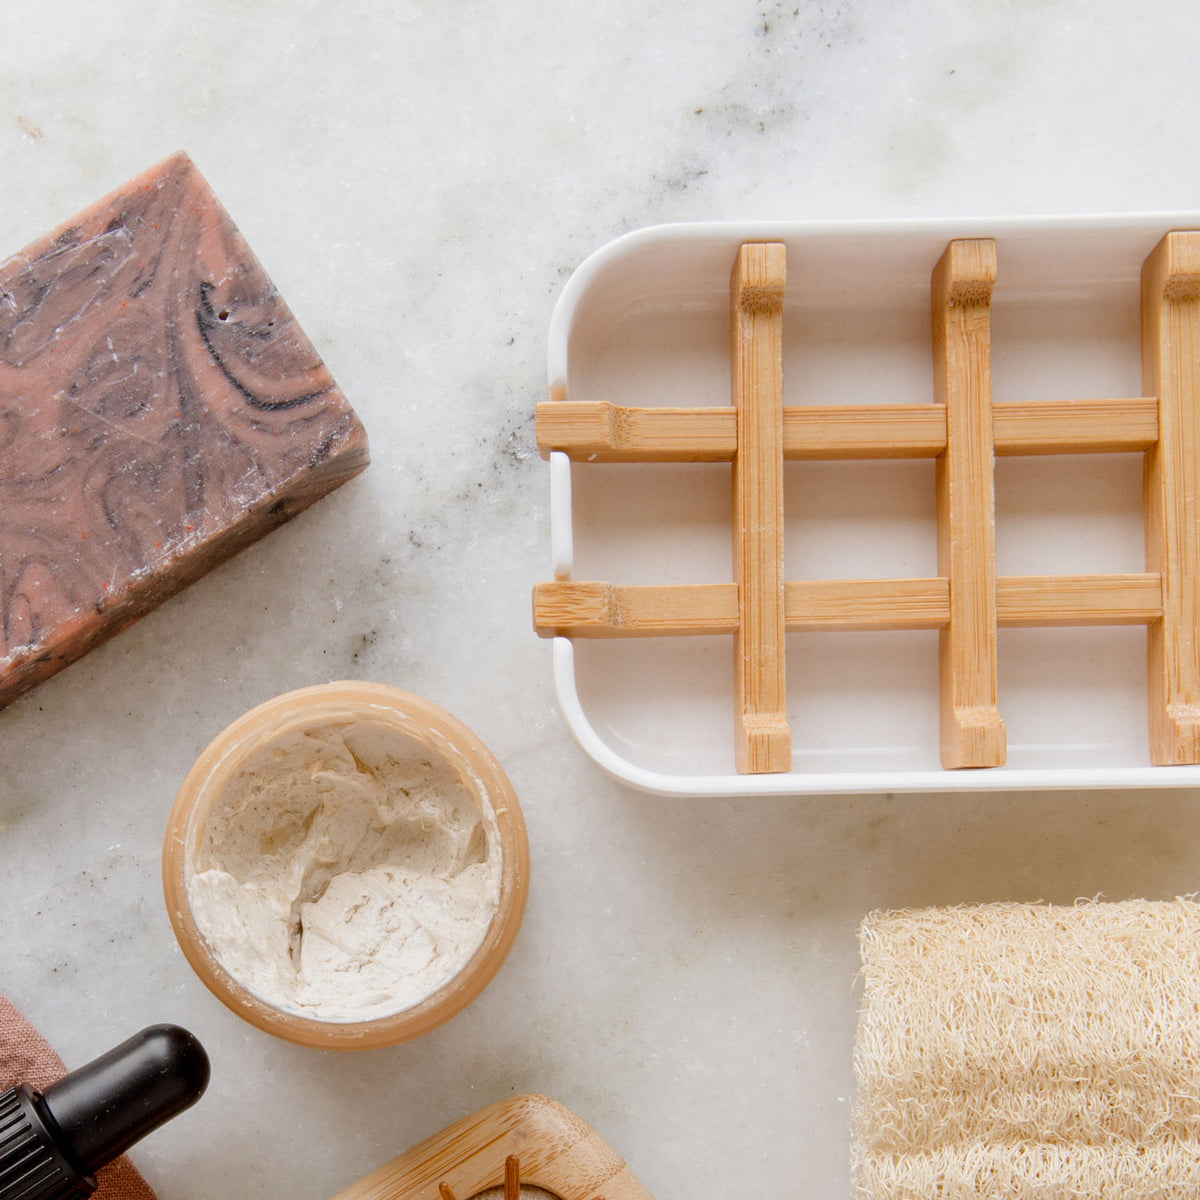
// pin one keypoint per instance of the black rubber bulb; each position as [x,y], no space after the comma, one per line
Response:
[52,1142]
[103,1108]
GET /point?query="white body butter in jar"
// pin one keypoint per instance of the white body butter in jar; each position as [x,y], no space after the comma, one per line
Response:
[346,866]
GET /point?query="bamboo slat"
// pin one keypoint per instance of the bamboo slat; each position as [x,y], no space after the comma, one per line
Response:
[605,610]
[827,605]
[1106,426]
[832,432]
[763,738]
[1171,370]
[972,730]
[598,431]
[1061,600]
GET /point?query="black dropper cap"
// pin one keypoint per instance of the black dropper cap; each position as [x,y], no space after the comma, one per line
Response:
[52,1142]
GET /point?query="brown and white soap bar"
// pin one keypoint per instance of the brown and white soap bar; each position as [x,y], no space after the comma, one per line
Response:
[160,409]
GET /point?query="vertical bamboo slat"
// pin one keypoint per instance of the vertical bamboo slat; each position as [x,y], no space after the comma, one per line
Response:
[972,731]
[1171,370]
[763,739]
[512,1178]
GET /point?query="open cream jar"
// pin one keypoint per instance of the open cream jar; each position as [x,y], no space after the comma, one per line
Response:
[346,866]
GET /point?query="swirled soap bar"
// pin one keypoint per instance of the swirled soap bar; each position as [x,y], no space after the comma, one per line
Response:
[160,409]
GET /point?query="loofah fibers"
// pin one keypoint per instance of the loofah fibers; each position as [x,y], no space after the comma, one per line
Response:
[1029,1052]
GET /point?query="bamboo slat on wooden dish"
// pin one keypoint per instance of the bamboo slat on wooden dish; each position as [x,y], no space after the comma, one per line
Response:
[552,1148]
[763,740]
[598,431]
[1171,369]
[972,730]
[606,610]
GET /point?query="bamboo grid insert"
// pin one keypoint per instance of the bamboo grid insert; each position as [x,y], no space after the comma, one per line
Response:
[963,429]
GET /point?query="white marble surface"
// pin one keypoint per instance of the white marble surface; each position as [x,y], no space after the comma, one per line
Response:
[420,178]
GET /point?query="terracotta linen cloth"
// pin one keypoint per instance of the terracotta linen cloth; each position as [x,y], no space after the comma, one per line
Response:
[26,1057]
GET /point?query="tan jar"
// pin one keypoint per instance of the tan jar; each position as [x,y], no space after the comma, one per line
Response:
[249,746]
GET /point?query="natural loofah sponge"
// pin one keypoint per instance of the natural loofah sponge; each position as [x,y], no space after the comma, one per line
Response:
[1030,1052]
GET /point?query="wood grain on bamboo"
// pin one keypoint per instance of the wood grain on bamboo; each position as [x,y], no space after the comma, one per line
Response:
[600,431]
[528,1140]
[763,739]
[972,730]
[1171,369]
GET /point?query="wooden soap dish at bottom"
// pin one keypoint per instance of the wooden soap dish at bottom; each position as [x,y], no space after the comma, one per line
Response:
[527,1140]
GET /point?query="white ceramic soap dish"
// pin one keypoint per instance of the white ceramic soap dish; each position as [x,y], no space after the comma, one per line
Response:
[826,623]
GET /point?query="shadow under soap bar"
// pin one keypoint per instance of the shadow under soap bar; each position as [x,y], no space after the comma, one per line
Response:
[160,409]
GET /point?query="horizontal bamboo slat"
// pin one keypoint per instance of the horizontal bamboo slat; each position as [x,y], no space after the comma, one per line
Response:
[816,605]
[593,609]
[598,431]
[830,432]
[1109,426]
[606,610]
[1045,601]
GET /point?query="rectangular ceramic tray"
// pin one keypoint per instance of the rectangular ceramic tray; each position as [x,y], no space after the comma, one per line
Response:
[644,322]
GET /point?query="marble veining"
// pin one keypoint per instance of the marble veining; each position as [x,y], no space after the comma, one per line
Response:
[420,178]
